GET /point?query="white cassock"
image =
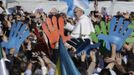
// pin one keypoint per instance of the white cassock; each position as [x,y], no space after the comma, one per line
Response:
[69,27]
[83,28]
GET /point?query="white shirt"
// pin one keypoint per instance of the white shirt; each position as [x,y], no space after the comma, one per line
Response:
[83,27]
[69,27]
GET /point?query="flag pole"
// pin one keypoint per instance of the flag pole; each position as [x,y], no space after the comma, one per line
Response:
[2,64]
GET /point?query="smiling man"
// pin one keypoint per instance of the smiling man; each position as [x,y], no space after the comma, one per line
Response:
[84,25]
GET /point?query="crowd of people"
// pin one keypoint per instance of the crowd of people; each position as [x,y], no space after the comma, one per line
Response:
[38,54]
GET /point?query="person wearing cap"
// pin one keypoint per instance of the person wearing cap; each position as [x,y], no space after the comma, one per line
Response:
[84,25]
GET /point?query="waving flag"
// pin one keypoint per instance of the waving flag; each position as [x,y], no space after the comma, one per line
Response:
[83,4]
[67,65]
[58,67]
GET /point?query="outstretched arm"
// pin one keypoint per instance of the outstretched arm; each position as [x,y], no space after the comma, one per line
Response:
[113,51]
[92,64]
[113,55]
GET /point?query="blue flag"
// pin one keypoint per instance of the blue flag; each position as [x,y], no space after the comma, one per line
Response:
[67,65]
[83,4]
